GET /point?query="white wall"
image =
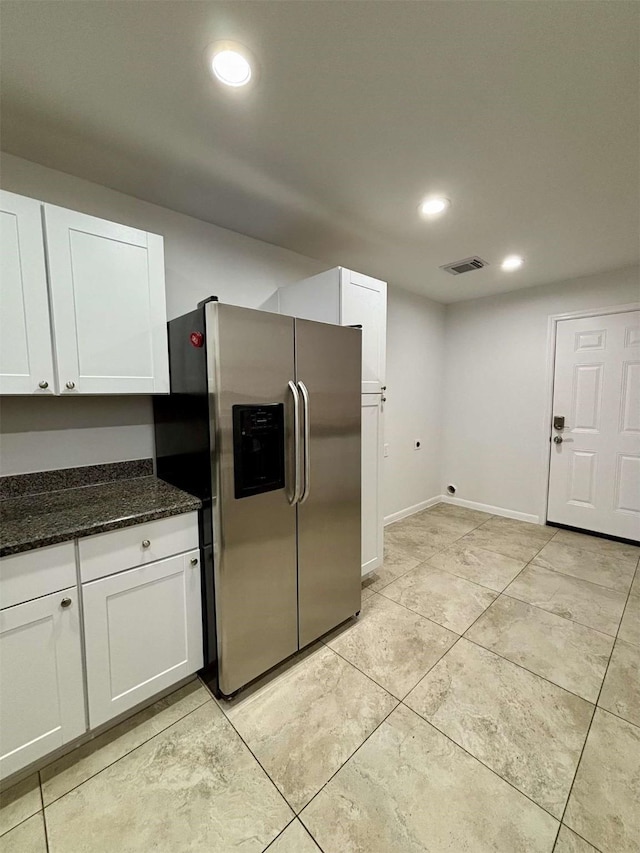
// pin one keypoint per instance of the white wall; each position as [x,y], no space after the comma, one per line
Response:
[415,343]
[495,386]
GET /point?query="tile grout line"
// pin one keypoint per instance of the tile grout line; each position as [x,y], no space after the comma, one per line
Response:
[596,706]
[44,816]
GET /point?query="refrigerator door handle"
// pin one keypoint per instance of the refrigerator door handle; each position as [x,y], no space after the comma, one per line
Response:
[307,442]
[296,442]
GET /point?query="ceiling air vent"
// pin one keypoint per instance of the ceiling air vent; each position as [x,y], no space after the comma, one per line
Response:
[467,265]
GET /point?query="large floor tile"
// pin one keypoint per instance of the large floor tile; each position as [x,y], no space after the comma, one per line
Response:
[584,602]
[511,543]
[621,689]
[423,537]
[295,839]
[630,625]
[596,543]
[529,731]
[463,513]
[194,787]
[410,789]
[487,568]
[603,806]
[614,571]
[19,802]
[76,767]
[391,644]
[450,601]
[569,842]
[27,837]
[303,724]
[635,586]
[527,529]
[569,654]
[397,561]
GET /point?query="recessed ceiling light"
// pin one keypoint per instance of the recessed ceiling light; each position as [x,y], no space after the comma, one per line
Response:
[230,64]
[512,262]
[433,206]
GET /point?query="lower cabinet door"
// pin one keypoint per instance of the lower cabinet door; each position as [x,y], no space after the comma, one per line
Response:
[372,515]
[41,680]
[143,633]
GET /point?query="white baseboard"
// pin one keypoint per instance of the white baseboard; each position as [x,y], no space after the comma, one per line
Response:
[494,510]
[410,510]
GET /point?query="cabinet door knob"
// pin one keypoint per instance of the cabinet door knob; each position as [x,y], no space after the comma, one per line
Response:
[146,543]
[194,561]
[43,384]
[66,602]
[71,385]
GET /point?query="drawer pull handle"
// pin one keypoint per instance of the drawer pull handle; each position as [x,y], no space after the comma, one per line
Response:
[194,561]
[70,385]
[44,384]
[146,543]
[66,602]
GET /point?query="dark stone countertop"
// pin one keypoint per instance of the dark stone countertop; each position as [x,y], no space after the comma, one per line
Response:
[32,521]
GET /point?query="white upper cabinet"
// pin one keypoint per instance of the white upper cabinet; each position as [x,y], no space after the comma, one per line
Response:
[347,298]
[104,284]
[363,302]
[108,305]
[26,362]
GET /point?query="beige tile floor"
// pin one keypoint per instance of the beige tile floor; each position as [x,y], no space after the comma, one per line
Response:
[487,699]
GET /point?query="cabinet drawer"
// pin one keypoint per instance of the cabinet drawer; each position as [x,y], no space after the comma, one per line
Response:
[108,553]
[36,573]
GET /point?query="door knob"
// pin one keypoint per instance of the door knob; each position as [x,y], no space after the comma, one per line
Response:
[146,543]
[43,384]
[66,602]
[70,385]
[557,439]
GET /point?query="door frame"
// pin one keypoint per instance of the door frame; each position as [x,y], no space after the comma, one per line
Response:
[552,329]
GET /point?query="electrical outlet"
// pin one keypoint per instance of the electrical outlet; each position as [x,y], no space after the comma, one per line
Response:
[386,450]
[417,444]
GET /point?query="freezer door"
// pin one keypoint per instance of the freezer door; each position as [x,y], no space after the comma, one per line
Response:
[251,362]
[328,369]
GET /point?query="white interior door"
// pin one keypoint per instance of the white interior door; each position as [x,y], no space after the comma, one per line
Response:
[364,303]
[594,478]
[372,518]
[41,679]
[108,303]
[26,360]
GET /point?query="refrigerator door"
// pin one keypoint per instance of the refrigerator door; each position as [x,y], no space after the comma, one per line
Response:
[250,363]
[328,373]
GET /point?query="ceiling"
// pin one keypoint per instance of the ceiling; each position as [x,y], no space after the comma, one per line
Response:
[525,114]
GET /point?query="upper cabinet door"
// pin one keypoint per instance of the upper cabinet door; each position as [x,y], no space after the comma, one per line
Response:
[26,363]
[108,304]
[364,303]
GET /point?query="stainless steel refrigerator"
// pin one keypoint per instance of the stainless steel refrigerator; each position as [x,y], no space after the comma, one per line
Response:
[263,424]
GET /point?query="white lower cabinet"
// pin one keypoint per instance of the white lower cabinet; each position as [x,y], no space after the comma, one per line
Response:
[143,632]
[41,678]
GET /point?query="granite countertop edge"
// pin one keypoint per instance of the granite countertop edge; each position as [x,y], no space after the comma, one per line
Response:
[177,503]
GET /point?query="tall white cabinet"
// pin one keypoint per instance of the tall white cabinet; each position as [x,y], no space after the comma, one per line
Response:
[82,303]
[349,298]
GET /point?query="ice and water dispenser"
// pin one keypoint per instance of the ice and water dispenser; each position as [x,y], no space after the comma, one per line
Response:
[258,449]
